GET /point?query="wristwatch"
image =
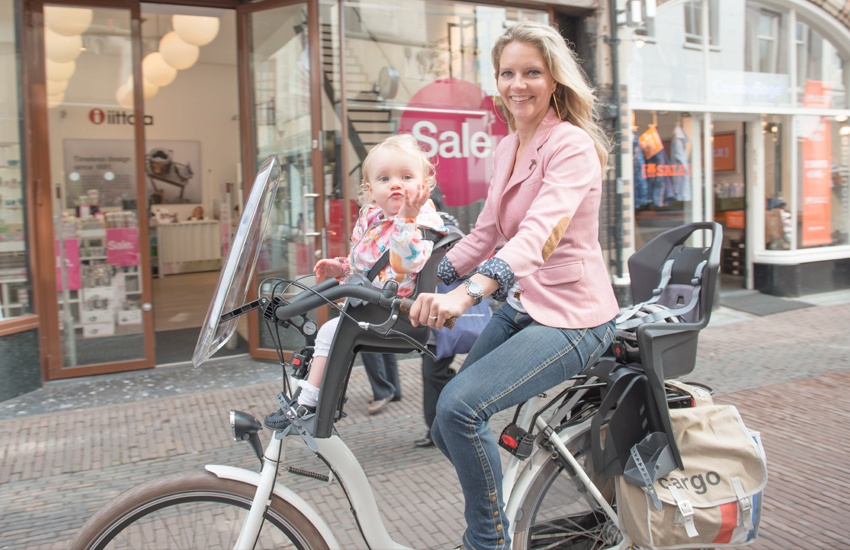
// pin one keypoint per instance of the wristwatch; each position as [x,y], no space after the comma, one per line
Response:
[475,291]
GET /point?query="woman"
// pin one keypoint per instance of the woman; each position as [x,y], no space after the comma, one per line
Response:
[543,207]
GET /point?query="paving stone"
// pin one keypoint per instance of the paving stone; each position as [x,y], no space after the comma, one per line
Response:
[69,447]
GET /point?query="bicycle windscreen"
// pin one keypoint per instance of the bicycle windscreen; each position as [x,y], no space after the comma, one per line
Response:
[235,278]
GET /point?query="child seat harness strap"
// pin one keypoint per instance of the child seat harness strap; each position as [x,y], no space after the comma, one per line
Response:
[427,233]
[628,320]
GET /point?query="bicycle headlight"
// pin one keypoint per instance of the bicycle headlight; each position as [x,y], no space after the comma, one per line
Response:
[243,425]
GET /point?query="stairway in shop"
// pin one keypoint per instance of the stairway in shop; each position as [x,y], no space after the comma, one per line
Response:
[369,119]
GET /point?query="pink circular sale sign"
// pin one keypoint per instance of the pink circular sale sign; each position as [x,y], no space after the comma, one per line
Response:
[457,125]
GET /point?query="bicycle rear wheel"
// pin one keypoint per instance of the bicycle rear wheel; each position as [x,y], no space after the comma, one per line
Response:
[558,512]
[191,511]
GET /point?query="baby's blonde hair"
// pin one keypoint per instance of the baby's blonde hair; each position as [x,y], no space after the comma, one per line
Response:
[401,142]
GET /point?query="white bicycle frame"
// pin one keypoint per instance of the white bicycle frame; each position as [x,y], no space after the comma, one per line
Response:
[519,475]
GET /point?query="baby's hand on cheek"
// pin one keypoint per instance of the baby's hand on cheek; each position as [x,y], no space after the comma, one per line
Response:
[413,201]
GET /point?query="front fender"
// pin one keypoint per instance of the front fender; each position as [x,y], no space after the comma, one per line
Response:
[253,478]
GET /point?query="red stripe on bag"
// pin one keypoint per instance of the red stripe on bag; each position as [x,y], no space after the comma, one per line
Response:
[728,521]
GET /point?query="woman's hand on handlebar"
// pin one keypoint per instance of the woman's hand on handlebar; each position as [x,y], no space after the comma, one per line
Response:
[438,310]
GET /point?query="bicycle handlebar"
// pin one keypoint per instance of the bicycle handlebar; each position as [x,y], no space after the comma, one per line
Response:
[331,290]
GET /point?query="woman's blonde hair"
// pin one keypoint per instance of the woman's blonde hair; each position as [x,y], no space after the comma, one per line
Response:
[574,99]
[401,142]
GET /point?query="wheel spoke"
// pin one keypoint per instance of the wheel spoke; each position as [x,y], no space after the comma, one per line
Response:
[561,514]
[193,511]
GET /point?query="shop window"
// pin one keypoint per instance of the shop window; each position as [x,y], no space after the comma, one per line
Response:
[765,51]
[662,149]
[820,67]
[15,279]
[778,220]
[823,155]
[694,18]
[425,68]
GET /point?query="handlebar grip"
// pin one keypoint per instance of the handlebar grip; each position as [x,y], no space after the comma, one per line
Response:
[318,296]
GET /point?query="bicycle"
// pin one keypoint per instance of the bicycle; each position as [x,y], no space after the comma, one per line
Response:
[558,482]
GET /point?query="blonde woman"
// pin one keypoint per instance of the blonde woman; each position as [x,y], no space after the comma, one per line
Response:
[543,207]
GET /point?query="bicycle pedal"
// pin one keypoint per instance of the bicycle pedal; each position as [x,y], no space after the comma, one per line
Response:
[517,441]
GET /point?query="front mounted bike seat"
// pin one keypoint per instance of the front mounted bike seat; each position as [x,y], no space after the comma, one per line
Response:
[350,339]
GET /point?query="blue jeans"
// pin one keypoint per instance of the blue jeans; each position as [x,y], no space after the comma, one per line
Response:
[514,359]
[382,371]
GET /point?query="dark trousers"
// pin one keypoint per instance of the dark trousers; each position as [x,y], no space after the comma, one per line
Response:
[435,376]
[382,370]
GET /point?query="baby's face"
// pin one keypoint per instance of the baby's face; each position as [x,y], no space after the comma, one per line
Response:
[392,172]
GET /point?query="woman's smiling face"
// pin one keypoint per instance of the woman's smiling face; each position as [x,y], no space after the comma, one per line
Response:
[525,83]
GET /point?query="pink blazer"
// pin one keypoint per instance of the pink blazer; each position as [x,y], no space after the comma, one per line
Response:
[546,214]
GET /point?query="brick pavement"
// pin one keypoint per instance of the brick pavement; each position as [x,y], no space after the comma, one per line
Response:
[788,374]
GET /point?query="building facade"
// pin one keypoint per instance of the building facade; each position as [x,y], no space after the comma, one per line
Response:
[739,113]
[131,133]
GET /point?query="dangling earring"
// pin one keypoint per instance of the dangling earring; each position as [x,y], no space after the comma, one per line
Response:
[557,110]
[497,110]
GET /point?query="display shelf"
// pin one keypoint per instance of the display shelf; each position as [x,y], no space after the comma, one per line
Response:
[12,246]
[108,301]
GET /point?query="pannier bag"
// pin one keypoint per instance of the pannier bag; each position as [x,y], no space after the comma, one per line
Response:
[715,501]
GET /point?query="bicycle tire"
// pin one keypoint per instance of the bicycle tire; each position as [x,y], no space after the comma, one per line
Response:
[557,512]
[191,511]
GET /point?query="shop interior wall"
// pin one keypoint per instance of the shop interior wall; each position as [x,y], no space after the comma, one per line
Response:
[201,105]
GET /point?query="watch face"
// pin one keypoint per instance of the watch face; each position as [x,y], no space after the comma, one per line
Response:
[473,288]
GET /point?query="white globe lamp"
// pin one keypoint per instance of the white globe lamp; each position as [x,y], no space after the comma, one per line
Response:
[60,71]
[177,53]
[124,96]
[60,48]
[67,21]
[195,29]
[156,71]
[56,87]
[54,101]
[148,88]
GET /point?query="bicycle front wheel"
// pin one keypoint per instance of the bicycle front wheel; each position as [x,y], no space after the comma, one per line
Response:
[558,512]
[191,511]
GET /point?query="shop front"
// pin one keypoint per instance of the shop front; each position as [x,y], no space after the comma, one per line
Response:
[739,115]
[132,131]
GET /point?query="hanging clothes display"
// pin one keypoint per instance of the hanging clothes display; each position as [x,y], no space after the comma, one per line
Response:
[659,181]
[638,161]
[679,158]
[656,168]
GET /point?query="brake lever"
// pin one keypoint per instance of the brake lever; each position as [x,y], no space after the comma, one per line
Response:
[386,328]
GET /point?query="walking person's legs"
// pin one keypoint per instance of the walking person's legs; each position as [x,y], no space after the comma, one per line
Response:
[436,373]
[382,371]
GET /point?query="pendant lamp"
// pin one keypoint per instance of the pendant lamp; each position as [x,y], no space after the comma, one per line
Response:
[195,29]
[156,71]
[177,53]
[60,71]
[67,21]
[60,48]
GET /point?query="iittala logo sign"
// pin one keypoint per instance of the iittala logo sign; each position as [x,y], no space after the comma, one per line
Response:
[114,117]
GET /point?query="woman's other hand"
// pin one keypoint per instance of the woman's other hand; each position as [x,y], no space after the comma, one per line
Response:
[435,310]
[328,268]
